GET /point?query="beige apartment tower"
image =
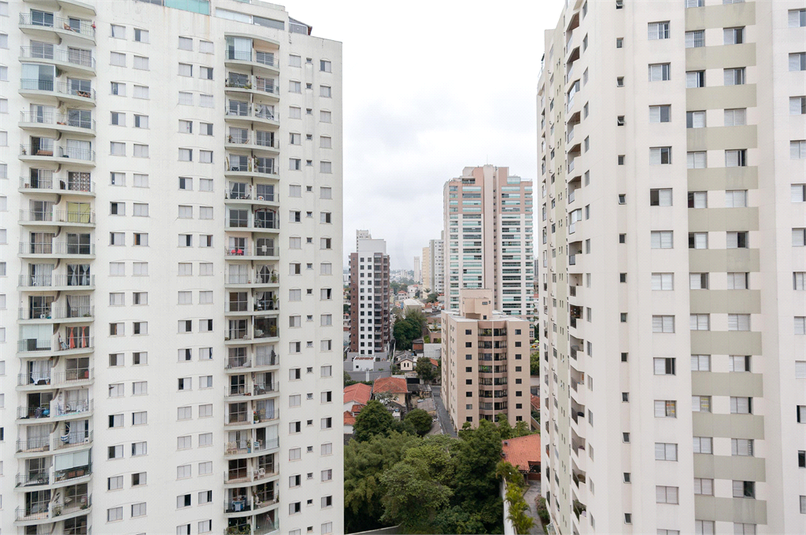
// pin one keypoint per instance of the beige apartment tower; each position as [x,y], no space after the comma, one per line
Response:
[671,318]
[488,238]
[485,362]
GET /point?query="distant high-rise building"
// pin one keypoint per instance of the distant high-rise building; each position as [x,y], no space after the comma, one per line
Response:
[433,267]
[361,235]
[673,269]
[426,269]
[417,272]
[488,222]
[158,264]
[485,362]
[370,319]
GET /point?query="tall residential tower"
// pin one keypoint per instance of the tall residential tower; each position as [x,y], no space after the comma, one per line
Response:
[370,313]
[672,178]
[488,238]
[170,254]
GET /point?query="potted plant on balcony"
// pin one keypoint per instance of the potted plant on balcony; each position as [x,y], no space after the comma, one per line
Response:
[273,277]
[272,330]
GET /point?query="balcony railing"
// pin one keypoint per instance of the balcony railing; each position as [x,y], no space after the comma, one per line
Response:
[26,413]
[57,216]
[73,473]
[63,88]
[31,479]
[37,281]
[32,344]
[263,58]
[59,248]
[262,250]
[46,181]
[59,152]
[70,440]
[54,312]
[75,408]
[260,388]
[80,57]
[259,113]
[81,27]
[33,444]
[58,119]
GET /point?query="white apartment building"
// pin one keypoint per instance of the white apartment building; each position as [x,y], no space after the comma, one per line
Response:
[488,240]
[672,179]
[434,266]
[370,314]
[170,260]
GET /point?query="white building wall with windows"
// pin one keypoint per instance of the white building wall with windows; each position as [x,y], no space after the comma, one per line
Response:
[170,245]
[670,208]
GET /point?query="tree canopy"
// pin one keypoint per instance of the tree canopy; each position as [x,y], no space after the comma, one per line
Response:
[408,329]
[425,370]
[421,421]
[373,420]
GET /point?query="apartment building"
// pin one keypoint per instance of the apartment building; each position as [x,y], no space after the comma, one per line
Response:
[157,374]
[370,314]
[488,222]
[672,304]
[434,266]
[485,363]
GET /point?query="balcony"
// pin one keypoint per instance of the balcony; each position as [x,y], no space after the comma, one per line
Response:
[33,445]
[253,142]
[54,250]
[74,409]
[74,473]
[75,282]
[65,91]
[61,155]
[72,122]
[33,479]
[61,218]
[75,505]
[256,252]
[73,440]
[246,447]
[33,413]
[75,60]
[257,221]
[47,183]
[254,59]
[262,195]
[82,313]
[254,85]
[60,27]
[259,279]
[250,167]
[259,114]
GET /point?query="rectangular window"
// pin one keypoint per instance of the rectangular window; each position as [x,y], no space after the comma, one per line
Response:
[698,240]
[662,324]
[324,66]
[695,79]
[660,72]
[663,281]
[797,19]
[741,447]
[703,445]
[699,322]
[141,91]
[665,409]
[797,150]
[206,73]
[141,63]
[325,116]
[703,487]
[797,105]
[735,198]
[185,98]
[665,451]
[661,239]
[664,365]
[695,119]
[660,155]
[185,69]
[797,61]
[735,76]
[666,495]
[736,117]
[733,36]
[660,197]
[660,114]
[695,39]
[140,151]
[117,59]
[658,30]
[141,36]
[738,322]
[701,403]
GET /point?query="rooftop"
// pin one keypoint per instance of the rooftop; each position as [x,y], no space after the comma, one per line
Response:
[358,393]
[395,385]
[522,452]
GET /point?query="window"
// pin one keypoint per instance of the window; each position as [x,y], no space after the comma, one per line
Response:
[660,155]
[325,167]
[658,30]
[294,87]
[325,116]
[660,72]
[114,483]
[206,156]
[733,36]
[206,101]
[696,160]
[698,199]
[185,98]
[141,91]
[665,409]
[661,239]
[703,486]
[699,322]
[662,324]
[741,447]
[738,322]
[117,149]
[736,117]
[698,240]
[797,150]
[741,405]
[326,449]
[114,514]
[660,197]
[140,62]
[701,403]
[735,76]
[797,19]
[118,88]
[737,240]
[744,489]
[695,39]
[139,449]
[117,59]
[619,42]
[736,198]
[185,155]
[118,32]
[140,239]
[664,365]
[324,66]
[141,36]
[114,452]
[703,445]
[695,119]
[325,192]
[660,114]
[666,495]
[185,69]
[797,61]
[695,3]
[695,79]
[140,151]
[665,451]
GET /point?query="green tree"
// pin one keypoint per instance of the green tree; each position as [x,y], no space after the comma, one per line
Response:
[521,429]
[504,428]
[534,364]
[425,370]
[364,463]
[432,298]
[408,329]
[373,420]
[421,421]
[417,488]
[348,380]
[518,508]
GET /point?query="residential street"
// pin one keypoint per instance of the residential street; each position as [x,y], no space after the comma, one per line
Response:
[444,419]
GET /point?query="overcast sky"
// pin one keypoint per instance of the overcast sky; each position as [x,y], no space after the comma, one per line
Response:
[429,88]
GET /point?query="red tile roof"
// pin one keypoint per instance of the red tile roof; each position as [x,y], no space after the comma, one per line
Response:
[536,402]
[522,451]
[349,419]
[395,385]
[434,362]
[359,393]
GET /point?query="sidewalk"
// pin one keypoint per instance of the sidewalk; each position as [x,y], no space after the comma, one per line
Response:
[530,496]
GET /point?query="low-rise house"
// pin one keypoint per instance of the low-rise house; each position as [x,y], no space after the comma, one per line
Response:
[356,397]
[393,389]
[524,454]
[362,363]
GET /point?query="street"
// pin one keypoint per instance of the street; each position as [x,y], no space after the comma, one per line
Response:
[442,414]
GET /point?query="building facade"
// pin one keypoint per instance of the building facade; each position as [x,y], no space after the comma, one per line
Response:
[485,362]
[426,269]
[672,307]
[434,266]
[171,211]
[370,308]
[488,220]
[418,279]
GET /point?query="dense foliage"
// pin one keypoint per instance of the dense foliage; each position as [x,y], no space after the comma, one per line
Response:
[435,484]
[534,364]
[408,329]
[425,370]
